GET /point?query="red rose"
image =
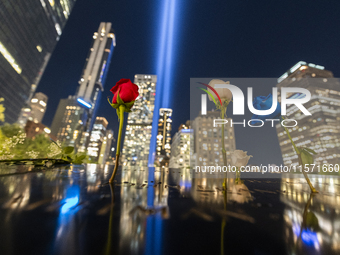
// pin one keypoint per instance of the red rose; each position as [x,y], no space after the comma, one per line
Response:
[128,91]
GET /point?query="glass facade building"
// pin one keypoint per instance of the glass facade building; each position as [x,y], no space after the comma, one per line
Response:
[91,85]
[320,131]
[29,31]
[68,121]
[36,110]
[182,148]
[208,140]
[105,151]
[97,138]
[92,80]
[139,124]
[163,148]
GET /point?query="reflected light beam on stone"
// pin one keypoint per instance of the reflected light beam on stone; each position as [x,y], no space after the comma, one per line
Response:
[69,203]
[71,200]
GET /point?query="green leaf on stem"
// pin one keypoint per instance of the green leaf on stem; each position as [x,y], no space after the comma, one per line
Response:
[310,150]
[113,105]
[68,150]
[129,105]
[117,110]
[298,150]
[306,157]
[79,159]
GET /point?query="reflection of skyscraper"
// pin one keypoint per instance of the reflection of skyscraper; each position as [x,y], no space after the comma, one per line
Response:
[138,130]
[36,111]
[141,210]
[303,210]
[163,148]
[207,138]
[320,131]
[29,31]
[91,85]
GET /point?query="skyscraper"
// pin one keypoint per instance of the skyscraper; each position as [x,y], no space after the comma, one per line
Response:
[105,150]
[29,31]
[139,124]
[321,130]
[182,147]
[97,136]
[163,149]
[68,121]
[208,139]
[91,85]
[36,110]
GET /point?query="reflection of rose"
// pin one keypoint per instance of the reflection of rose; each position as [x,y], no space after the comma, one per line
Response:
[239,158]
[128,91]
[224,93]
[240,194]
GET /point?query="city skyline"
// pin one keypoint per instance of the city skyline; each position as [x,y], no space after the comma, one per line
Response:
[241,49]
[139,122]
[75,116]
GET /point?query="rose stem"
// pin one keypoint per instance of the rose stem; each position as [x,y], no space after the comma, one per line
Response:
[300,160]
[223,146]
[121,122]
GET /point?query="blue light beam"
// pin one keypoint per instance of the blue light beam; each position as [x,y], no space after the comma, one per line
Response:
[164,69]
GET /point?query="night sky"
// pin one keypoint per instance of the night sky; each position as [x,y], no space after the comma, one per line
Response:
[213,39]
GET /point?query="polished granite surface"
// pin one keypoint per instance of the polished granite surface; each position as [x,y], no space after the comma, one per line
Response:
[73,210]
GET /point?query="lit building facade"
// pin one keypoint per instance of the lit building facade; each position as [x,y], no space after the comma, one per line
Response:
[92,80]
[182,147]
[139,123]
[91,85]
[105,151]
[29,31]
[163,148]
[208,140]
[321,130]
[68,121]
[97,138]
[36,111]
[36,128]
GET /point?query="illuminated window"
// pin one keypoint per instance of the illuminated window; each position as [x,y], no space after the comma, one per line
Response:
[39,48]
[42,103]
[57,27]
[9,58]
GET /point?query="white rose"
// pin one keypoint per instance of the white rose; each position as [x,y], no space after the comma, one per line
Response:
[224,93]
[239,158]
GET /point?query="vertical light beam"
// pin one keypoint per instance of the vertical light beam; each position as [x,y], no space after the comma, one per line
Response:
[164,68]
[169,54]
